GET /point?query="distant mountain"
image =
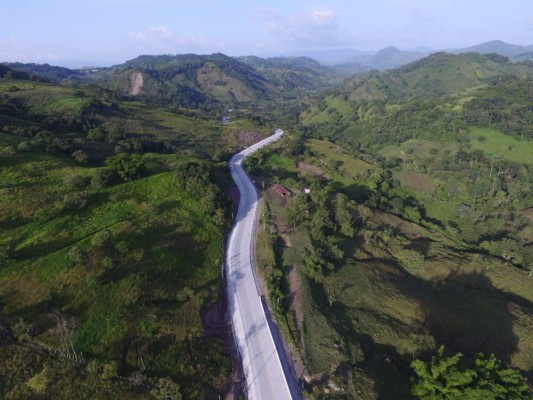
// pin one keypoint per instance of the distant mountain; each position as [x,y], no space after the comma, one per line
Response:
[389,57]
[488,89]
[45,72]
[292,73]
[497,46]
[325,57]
[392,57]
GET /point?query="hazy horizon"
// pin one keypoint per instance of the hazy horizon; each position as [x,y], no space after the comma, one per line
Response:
[103,33]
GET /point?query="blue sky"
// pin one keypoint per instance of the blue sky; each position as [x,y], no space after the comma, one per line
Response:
[105,32]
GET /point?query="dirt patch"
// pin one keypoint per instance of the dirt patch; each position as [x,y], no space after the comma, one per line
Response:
[235,196]
[310,169]
[136,82]
[414,180]
[295,297]
[247,138]
[215,321]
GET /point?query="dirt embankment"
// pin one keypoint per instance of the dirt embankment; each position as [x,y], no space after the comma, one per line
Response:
[136,82]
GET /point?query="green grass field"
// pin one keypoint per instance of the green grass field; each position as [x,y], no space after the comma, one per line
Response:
[499,145]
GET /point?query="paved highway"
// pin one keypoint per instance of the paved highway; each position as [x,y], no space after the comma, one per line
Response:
[263,370]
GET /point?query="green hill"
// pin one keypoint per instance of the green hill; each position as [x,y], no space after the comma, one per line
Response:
[415,229]
[409,226]
[512,51]
[433,96]
[112,215]
[187,80]
[293,74]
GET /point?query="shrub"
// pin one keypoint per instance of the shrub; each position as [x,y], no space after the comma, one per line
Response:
[24,146]
[39,382]
[110,370]
[75,181]
[101,239]
[80,156]
[108,263]
[450,378]
[76,255]
[410,258]
[102,177]
[74,201]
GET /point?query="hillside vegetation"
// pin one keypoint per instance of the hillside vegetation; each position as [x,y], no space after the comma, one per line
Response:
[408,225]
[416,230]
[112,216]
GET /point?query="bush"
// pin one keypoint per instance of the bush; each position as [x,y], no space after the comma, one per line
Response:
[39,382]
[101,239]
[410,258]
[76,255]
[102,177]
[5,254]
[75,181]
[110,370]
[108,263]
[80,156]
[24,146]
[74,201]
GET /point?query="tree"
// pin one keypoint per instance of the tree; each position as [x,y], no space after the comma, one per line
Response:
[297,210]
[166,389]
[344,209]
[127,166]
[485,378]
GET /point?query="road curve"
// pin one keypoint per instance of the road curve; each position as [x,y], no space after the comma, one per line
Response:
[263,370]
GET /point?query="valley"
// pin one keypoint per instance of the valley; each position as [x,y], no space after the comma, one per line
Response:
[395,217]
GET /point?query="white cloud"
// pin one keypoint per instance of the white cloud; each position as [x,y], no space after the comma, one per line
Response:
[161,30]
[322,17]
[312,29]
[163,39]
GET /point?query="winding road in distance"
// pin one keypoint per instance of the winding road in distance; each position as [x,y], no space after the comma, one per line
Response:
[265,365]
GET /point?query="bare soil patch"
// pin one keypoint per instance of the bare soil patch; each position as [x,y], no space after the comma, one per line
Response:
[414,180]
[136,82]
[247,138]
[215,321]
[295,297]
[310,169]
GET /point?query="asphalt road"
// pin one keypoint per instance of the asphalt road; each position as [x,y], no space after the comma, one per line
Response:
[262,365]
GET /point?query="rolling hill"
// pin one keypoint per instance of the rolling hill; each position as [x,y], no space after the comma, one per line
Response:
[384,103]
[410,226]
[512,51]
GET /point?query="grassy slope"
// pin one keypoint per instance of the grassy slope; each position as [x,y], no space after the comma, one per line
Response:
[137,296]
[369,318]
